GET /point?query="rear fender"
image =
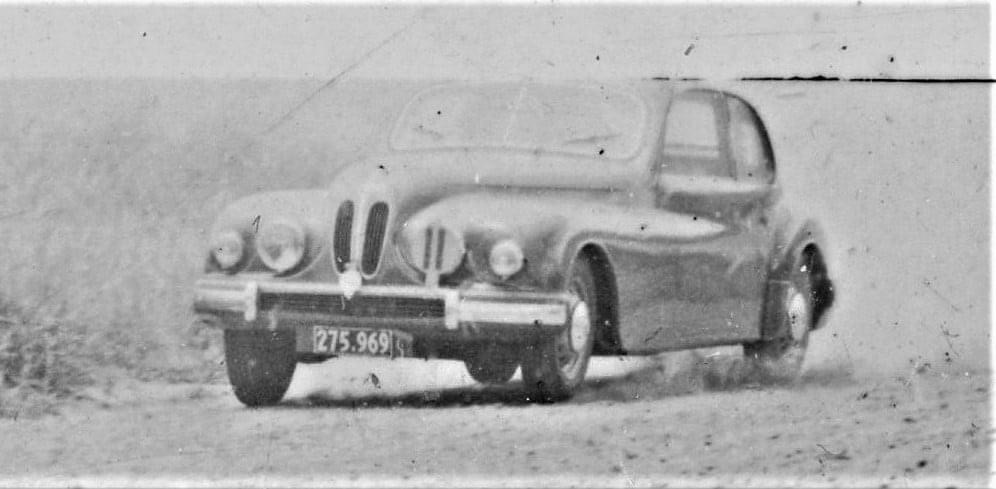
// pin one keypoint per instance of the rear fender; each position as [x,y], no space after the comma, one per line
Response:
[805,246]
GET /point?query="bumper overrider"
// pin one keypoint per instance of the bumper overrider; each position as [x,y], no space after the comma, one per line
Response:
[425,313]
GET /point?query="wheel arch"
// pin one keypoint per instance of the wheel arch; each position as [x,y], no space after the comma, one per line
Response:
[607,338]
[821,286]
[811,256]
[807,247]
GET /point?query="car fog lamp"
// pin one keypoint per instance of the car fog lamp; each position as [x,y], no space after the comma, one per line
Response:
[280,246]
[227,249]
[506,258]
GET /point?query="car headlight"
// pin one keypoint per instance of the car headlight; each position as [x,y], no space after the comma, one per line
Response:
[228,249]
[280,245]
[506,258]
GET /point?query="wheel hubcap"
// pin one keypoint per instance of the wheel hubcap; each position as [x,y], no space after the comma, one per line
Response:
[580,326]
[574,340]
[798,314]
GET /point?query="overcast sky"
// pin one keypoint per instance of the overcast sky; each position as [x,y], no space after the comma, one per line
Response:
[453,41]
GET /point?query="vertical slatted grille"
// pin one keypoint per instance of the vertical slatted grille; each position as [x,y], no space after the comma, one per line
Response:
[376,230]
[343,235]
[435,248]
[440,246]
[428,249]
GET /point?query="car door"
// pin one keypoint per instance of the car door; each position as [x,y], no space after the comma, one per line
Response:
[753,204]
[707,290]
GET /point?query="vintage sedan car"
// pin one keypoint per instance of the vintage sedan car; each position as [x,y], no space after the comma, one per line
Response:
[526,225]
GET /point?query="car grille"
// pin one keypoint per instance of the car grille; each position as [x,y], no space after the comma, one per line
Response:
[358,306]
[376,231]
[434,236]
[343,235]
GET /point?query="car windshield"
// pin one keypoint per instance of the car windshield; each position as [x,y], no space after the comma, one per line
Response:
[591,121]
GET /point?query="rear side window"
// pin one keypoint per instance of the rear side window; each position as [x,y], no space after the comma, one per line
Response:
[749,145]
[692,142]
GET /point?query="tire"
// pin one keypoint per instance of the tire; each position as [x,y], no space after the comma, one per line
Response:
[779,360]
[553,367]
[260,365]
[492,364]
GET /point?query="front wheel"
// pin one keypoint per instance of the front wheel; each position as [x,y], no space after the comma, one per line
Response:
[554,367]
[779,360]
[260,364]
[492,364]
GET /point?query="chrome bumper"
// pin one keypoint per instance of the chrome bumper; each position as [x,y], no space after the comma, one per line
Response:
[462,307]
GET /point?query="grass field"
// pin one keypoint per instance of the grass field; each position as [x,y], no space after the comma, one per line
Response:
[107,188]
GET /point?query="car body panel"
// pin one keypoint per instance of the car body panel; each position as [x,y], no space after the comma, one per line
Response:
[691,259]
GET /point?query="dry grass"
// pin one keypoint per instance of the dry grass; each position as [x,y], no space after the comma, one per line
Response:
[107,190]
[40,362]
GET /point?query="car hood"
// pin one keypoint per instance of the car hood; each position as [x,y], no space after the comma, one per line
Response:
[413,174]
[409,182]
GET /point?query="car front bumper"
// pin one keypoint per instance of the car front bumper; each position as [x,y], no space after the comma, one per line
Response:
[472,313]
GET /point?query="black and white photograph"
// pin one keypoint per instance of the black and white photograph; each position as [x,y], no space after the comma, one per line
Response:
[495,244]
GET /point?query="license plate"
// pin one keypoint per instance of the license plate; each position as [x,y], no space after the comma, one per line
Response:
[334,340]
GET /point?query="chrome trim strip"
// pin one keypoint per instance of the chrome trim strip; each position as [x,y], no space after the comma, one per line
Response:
[213,286]
[512,313]
[474,306]
[452,301]
[227,299]
[251,298]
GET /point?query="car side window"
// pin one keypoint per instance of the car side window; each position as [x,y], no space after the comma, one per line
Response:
[692,136]
[749,145]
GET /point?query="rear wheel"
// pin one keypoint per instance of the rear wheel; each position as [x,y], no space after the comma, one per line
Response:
[492,364]
[553,367]
[260,364]
[779,360]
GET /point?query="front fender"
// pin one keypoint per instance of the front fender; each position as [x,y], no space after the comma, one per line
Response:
[554,229]
[483,219]
[307,208]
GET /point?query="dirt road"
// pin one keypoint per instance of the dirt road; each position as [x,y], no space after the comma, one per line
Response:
[637,423]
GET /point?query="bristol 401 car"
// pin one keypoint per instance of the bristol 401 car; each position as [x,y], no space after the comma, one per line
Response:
[526,226]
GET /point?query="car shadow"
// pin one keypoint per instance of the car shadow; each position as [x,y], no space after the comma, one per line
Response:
[659,381]
[505,394]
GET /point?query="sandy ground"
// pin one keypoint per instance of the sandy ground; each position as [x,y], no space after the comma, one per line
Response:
[638,422]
